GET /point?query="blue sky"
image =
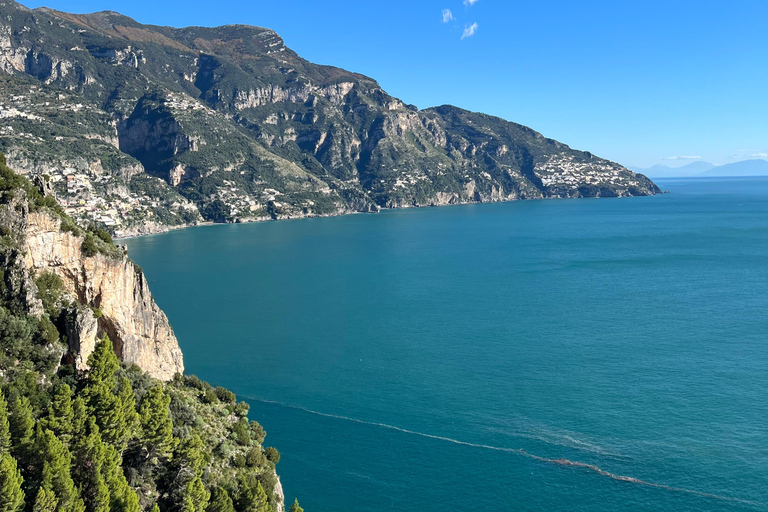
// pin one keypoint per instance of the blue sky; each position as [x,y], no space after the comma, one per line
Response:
[641,83]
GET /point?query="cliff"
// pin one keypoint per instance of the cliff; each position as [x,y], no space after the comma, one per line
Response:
[111,284]
[71,306]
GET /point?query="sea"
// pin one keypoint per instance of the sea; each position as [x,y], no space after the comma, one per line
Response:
[560,355]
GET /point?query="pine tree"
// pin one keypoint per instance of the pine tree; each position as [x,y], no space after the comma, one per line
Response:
[5,426]
[98,470]
[11,494]
[109,401]
[252,497]
[102,362]
[129,415]
[46,499]
[195,496]
[296,507]
[262,502]
[190,456]
[155,508]
[79,418]
[60,414]
[21,425]
[88,471]
[156,426]
[122,497]
[220,501]
[190,460]
[56,470]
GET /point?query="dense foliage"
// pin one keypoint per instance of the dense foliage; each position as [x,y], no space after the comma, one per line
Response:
[110,438]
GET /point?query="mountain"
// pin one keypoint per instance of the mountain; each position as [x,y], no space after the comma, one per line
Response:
[743,168]
[663,171]
[144,127]
[704,169]
[95,413]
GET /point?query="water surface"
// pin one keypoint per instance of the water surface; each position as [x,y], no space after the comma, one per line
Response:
[525,354]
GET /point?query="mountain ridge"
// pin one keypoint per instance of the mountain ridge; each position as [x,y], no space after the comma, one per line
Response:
[154,127]
[752,167]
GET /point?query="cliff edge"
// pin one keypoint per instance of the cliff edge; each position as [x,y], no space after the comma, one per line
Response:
[113,286]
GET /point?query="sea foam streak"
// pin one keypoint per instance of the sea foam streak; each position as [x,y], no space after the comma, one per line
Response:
[519,451]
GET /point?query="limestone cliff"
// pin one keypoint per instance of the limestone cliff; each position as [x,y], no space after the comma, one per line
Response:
[112,285]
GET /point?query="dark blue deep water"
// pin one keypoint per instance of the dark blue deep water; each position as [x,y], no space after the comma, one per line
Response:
[523,356]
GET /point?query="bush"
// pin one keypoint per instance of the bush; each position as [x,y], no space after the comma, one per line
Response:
[257,432]
[102,234]
[9,180]
[193,381]
[49,288]
[209,397]
[242,409]
[225,395]
[89,246]
[272,455]
[255,457]
[47,331]
[241,433]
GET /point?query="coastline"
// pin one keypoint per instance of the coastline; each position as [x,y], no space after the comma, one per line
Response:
[161,229]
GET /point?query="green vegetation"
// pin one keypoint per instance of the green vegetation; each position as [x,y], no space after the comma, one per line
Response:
[111,438]
[89,447]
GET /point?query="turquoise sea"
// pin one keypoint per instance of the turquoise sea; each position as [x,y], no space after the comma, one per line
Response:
[579,355]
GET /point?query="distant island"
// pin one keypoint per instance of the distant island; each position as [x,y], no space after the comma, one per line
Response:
[145,128]
[755,167]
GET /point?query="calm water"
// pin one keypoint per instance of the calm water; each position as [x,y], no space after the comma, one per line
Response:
[432,359]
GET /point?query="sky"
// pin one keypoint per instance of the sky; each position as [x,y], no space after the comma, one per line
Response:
[639,82]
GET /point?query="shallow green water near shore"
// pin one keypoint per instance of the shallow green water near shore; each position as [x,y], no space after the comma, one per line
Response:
[528,355]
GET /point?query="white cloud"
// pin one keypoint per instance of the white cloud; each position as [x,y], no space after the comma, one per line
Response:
[470,3]
[749,154]
[448,15]
[683,158]
[470,30]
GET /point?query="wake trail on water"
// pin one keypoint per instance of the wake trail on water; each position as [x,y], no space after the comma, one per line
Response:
[519,451]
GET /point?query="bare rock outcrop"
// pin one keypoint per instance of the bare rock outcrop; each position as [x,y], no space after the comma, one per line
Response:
[116,288]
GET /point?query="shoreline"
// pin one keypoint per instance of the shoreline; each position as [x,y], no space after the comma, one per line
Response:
[251,220]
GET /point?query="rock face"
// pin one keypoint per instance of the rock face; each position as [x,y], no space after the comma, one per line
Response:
[245,129]
[82,333]
[116,288]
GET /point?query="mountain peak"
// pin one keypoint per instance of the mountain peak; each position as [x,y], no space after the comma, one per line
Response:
[227,123]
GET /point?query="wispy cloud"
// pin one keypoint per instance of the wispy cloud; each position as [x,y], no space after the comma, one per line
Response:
[471,29]
[683,158]
[470,3]
[448,15]
[749,154]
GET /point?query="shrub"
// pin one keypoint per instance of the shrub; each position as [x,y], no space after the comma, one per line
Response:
[242,409]
[240,432]
[209,397]
[47,331]
[257,432]
[102,234]
[255,457]
[49,288]
[89,246]
[225,395]
[272,455]
[193,381]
